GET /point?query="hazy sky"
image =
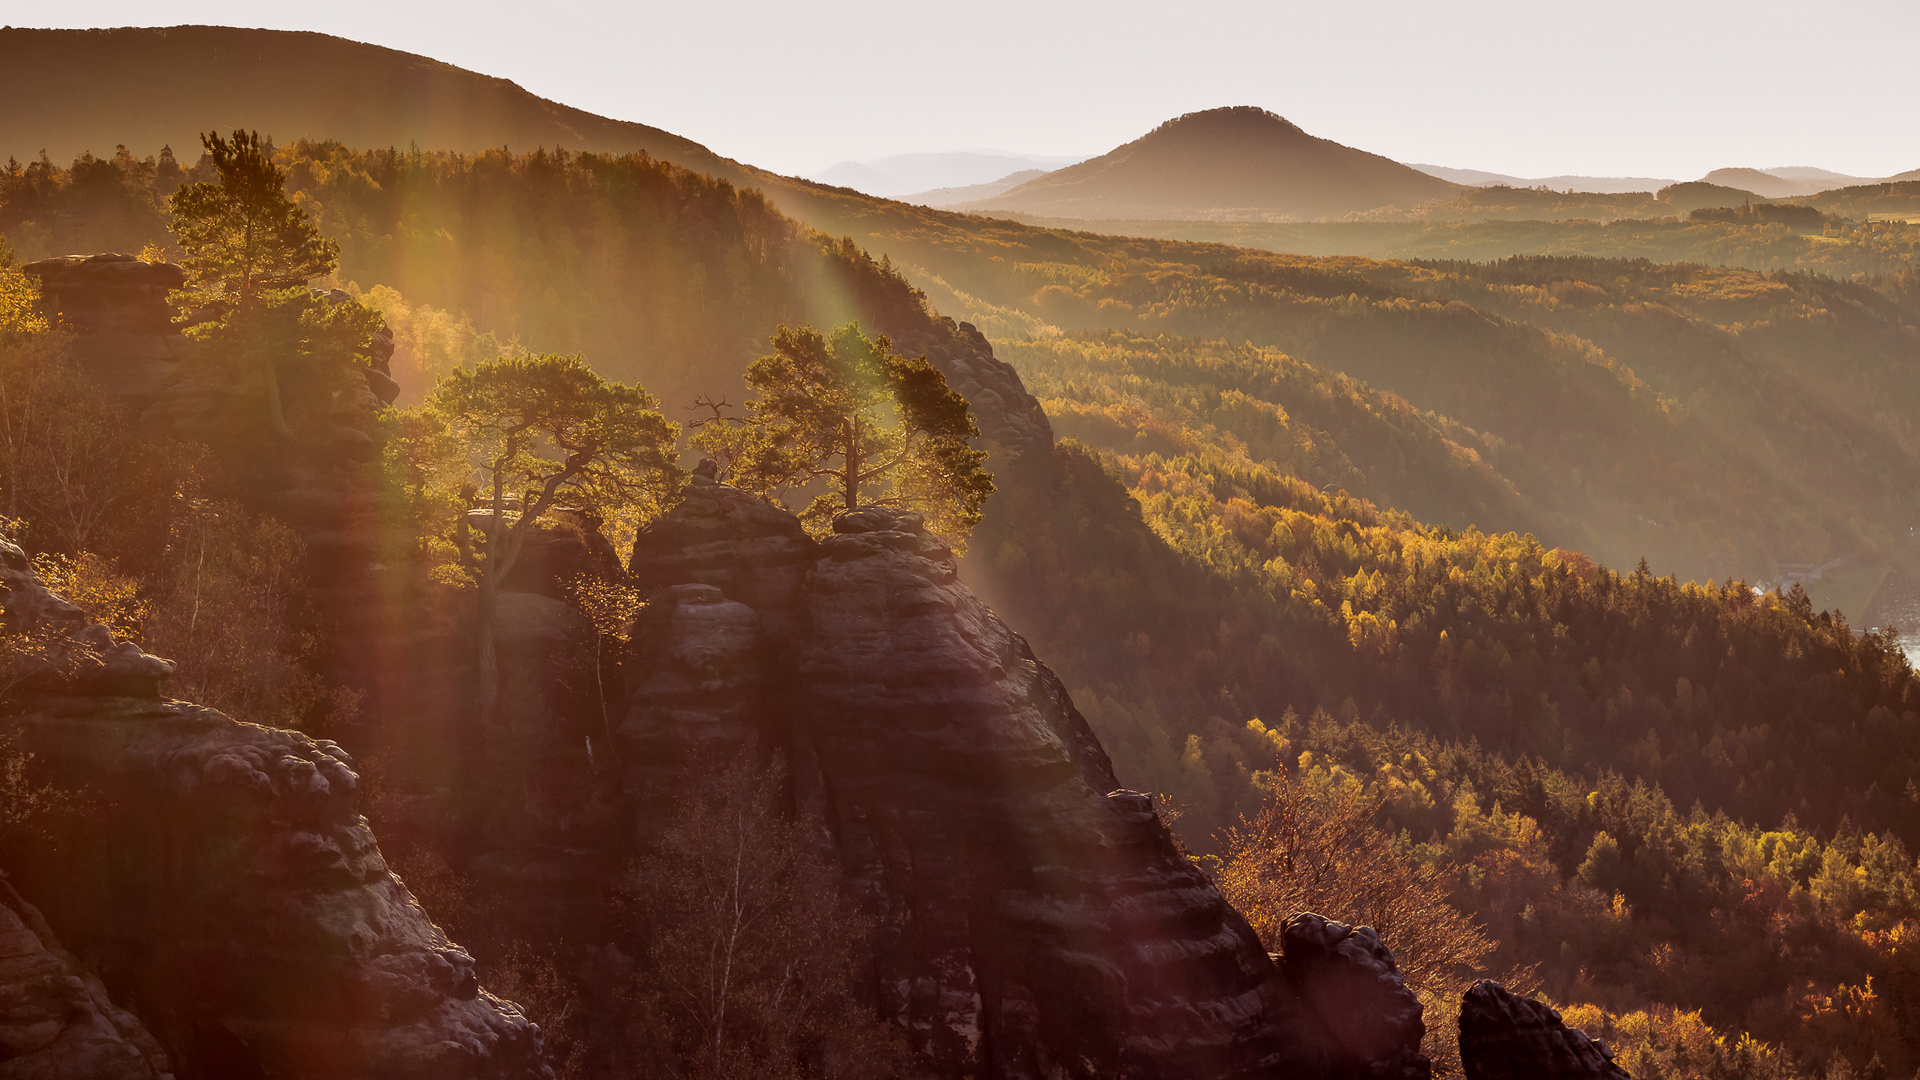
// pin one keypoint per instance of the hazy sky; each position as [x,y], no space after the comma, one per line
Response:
[1664,88]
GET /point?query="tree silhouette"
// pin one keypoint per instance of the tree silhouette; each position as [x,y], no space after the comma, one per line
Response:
[243,236]
[247,247]
[847,413]
[535,428]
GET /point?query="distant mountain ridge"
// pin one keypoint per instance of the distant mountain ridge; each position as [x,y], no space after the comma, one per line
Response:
[75,91]
[899,175]
[1602,185]
[941,198]
[1241,160]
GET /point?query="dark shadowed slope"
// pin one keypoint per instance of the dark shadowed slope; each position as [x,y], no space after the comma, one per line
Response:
[75,91]
[1225,162]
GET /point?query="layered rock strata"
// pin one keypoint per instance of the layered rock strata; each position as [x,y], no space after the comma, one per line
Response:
[1035,920]
[1507,1037]
[118,307]
[228,890]
[1348,977]
[1012,423]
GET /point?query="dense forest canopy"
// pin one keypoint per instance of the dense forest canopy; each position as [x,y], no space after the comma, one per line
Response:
[1332,523]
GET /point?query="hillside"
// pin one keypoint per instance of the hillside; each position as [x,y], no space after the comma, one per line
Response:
[1232,162]
[1586,368]
[85,91]
[899,175]
[1273,549]
[1566,182]
[1772,186]
[1896,199]
[1878,249]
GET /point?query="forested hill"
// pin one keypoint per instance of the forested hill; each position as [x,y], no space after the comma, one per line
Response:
[75,91]
[1715,421]
[1242,162]
[1275,544]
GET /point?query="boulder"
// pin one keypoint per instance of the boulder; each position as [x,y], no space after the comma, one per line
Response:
[1507,1037]
[1349,978]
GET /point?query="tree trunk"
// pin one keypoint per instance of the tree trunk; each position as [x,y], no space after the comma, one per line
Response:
[851,485]
[491,571]
[489,658]
[275,413]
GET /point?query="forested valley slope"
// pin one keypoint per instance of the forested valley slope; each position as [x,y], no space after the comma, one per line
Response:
[1326,529]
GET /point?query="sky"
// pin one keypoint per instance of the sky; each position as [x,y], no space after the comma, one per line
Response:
[1659,88]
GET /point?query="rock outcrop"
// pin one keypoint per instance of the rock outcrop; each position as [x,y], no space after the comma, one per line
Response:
[753,552]
[118,306]
[1012,423]
[58,648]
[1353,986]
[55,1018]
[318,476]
[1035,920]
[1507,1037]
[227,888]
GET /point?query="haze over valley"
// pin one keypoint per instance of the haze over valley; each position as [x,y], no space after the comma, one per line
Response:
[493,590]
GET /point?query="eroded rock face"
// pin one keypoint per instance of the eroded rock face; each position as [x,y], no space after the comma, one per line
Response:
[1507,1037]
[55,1018]
[69,651]
[237,900]
[118,305]
[1353,986]
[228,889]
[753,552]
[1034,920]
[1012,423]
[700,702]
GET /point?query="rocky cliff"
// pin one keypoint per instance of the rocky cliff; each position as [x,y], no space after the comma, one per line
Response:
[319,476]
[1507,1037]
[1036,919]
[223,886]
[1032,918]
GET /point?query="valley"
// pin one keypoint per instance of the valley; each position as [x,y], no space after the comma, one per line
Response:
[1418,548]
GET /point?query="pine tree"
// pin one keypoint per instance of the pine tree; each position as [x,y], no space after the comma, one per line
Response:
[243,237]
[249,253]
[847,414]
[535,429]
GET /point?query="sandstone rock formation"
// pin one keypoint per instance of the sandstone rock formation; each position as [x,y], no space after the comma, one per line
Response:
[55,1017]
[1035,919]
[316,478]
[57,647]
[1507,1037]
[753,552]
[1349,979]
[1012,424]
[228,889]
[118,306]
[701,703]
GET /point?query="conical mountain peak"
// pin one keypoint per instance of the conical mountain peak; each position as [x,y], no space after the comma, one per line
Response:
[1236,162]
